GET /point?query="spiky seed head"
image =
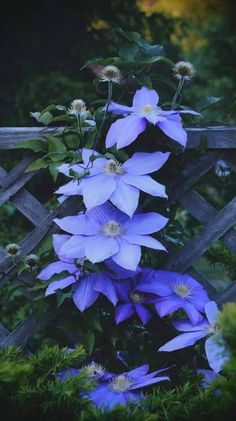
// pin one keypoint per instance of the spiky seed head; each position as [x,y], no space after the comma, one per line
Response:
[184,69]
[12,249]
[32,260]
[77,107]
[110,74]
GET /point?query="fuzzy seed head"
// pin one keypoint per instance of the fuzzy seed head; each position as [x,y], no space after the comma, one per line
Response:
[12,249]
[77,107]
[110,74]
[32,260]
[184,69]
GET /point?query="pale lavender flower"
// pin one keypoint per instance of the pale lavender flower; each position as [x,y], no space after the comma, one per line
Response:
[106,232]
[208,377]
[110,180]
[120,389]
[216,353]
[143,111]
[175,291]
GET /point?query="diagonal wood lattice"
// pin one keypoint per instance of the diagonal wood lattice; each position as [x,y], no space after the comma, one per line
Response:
[215,225]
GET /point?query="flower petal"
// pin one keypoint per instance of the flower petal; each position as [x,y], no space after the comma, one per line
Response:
[123,312]
[78,224]
[125,197]
[186,326]
[167,306]
[100,247]
[173,128]
[74,247]
[146,184]
[144,314]
[63,283]
[102,283]
[216,354]
[128,256]
[193,314]
[142,163]
[124,131]
[212,312]
[182,341]
[84,295]
[56,267]
[145,96]
[145,223]
[144,240]
[70,189]
[147,382]
[97,190]
[116,108]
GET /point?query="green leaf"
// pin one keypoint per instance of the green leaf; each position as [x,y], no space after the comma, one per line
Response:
[38,164]
[35,145]
[45,118]
[130,52]
[54,171]
[55,144]
[62,296]
[208,102]
[89,341]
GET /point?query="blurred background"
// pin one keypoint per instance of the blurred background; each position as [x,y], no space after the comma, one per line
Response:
[44,44]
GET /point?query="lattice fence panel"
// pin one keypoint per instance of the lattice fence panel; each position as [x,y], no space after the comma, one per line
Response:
[215,225]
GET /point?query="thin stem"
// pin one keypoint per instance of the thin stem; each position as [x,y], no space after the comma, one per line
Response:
[80,128]
[177,93]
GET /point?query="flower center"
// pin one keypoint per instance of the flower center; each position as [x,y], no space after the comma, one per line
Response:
[112,229]
[148,109]
[183,290]
[113,167]
[94,370]
[137,297]
[120,384]
[214,328]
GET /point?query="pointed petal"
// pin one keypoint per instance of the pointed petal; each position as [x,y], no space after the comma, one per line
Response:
[193,314]
[138,372]
[123,312]
[142,163]
[103,284]
[58,241]
[145,96]
[124,131]
[56,267]
[63,283]
[144,240]
[78,224]
[167,306]
[145,223]
[146,184]
[116,108]
[125,197]
[74,247]
[173,128]
[186,326]
[212,312]
[147,382]
[100,247]
[128,256]
[70,189]
[144,314]
[84,295]
[216,354]
[97,190]
[182,341]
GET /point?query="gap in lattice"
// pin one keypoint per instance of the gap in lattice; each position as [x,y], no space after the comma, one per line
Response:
[13,225]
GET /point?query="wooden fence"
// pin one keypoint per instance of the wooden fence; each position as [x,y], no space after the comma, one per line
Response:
[215,225]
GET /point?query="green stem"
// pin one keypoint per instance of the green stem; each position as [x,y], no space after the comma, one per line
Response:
[80,129]
[177,93]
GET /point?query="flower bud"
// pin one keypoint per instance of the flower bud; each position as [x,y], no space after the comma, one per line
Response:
[12,249]
[110,74]
[184,69]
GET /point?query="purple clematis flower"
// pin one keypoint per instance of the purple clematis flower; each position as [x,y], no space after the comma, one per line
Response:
[176,291]
[209,377]
[86,287]
[216,353]
[106,232]
[132,301]
[119,389]
[144,110]
[111,180]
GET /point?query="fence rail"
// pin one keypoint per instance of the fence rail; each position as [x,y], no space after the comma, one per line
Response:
[215,224]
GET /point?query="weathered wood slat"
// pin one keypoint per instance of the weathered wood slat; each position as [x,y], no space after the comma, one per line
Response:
[33,239]
[217,137]
[203,212]
[195,247]
[192,173]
